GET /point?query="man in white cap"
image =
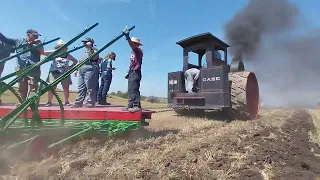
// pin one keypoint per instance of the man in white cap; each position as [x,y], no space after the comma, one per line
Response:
[134,75]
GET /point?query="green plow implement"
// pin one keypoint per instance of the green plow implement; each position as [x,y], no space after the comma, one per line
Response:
[16,129]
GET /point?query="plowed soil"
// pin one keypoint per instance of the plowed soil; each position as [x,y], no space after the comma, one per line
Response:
[279,145]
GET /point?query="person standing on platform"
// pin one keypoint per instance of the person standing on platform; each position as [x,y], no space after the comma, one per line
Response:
[27,84]
[59,66]
[134,75]
[88,75]
[106,69]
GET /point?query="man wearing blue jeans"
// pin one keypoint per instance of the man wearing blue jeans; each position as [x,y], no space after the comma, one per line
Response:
[88,77]
[134,75]
[106,69]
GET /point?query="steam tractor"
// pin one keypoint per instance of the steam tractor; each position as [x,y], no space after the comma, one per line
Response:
[227,88]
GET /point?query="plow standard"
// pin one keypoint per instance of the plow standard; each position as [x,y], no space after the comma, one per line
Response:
[40,128]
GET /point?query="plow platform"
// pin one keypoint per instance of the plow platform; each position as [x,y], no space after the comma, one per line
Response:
[33,127]
[98,113]
[55,127]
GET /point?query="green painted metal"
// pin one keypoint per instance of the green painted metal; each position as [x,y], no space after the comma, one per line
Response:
[13,48]
[27,50]
[16,73]
[68,73]
[29,102]
[28,69]
[13,124]
[75,128]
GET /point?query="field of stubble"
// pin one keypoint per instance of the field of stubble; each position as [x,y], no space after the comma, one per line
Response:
[281,144]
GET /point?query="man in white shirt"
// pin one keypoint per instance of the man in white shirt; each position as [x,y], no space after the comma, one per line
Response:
[191,77]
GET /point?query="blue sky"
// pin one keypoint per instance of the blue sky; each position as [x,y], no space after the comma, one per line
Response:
[159,25]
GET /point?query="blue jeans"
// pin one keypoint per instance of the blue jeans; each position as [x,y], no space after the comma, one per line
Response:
[87,84]
[134,88]
[106,79]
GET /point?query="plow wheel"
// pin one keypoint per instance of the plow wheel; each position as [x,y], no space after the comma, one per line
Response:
[244,95]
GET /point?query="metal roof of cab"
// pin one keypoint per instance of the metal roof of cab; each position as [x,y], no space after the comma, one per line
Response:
[199,38]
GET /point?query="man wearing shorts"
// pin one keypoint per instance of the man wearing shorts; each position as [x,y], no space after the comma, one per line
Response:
[27,84]
[59,66]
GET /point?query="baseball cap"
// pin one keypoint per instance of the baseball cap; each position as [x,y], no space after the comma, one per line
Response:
[88,40]
[34,32]
[113,54]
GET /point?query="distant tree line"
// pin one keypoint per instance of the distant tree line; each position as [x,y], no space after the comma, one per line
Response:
[151,99]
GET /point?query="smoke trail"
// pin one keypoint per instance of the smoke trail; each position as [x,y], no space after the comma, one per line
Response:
[286,64]
[245,30]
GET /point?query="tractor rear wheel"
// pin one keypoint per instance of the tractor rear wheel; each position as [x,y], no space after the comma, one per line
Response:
[244,95]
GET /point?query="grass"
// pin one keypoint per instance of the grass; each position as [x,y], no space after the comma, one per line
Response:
[8,97]
[172,147]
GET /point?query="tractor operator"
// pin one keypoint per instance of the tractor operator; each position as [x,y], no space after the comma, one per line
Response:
[191,76]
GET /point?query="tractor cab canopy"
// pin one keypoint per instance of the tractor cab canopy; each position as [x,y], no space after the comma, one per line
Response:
[203,44]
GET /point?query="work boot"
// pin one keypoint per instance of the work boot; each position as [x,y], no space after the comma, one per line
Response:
[125,108]
[134,109]
[89,105]
[75,106]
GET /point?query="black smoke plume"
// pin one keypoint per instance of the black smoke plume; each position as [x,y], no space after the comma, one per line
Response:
[264,33]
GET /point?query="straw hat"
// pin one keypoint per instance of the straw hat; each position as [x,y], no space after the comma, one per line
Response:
[59,44]
[136,40]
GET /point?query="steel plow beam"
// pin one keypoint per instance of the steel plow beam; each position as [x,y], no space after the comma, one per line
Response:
[19,72]
[27,50]
[68,73]
[31,100]
[61,130]
[48,58]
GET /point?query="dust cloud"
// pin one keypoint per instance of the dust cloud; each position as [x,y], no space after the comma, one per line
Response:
[273,39]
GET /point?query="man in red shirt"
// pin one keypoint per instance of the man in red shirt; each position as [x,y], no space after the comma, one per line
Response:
[134,75]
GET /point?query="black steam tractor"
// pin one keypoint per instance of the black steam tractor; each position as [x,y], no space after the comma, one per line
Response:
[227,88]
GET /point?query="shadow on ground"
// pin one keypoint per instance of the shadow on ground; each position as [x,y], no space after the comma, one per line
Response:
[37,150]
[211,115]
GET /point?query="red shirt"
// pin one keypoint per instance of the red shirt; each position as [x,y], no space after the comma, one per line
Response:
[136,59]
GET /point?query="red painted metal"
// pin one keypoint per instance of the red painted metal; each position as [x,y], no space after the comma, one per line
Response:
[108,112]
